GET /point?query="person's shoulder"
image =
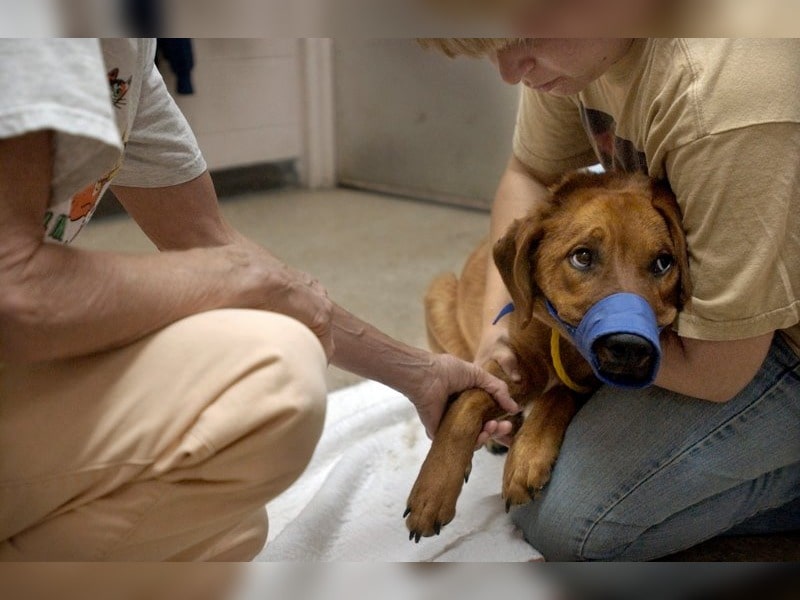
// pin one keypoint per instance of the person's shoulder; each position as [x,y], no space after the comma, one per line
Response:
[738,82]
[740,61]
[51,58]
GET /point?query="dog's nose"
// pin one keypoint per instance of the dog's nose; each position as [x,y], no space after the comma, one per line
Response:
[625,357]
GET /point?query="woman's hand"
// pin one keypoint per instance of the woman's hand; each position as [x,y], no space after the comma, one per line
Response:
[448,375]
[499,431]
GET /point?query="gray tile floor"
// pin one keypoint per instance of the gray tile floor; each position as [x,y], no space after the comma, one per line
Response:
[376,254]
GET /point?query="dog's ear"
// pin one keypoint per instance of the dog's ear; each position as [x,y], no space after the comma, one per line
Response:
[664,202]
[513,255]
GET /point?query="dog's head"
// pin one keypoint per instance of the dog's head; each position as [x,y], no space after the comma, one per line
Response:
[600,235]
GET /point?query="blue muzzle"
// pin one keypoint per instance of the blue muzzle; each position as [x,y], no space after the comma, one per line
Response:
[618,336]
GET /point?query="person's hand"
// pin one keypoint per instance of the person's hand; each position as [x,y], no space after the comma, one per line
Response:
[448,375]
[499,431]
[293,293]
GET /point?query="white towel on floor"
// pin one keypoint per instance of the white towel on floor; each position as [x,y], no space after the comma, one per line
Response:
[349,503]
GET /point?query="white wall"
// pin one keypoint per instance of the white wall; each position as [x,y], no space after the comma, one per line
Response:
[381,114]
[414,122]
[248,101]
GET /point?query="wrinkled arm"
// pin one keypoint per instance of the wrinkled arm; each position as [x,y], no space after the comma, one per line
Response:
[427,379]
[179,217]
[358,347]
[59,302]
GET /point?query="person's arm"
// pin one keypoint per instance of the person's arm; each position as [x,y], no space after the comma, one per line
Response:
[739,221]
[178,217]
[713,371]
[58,302]
[427,379]
[517,194]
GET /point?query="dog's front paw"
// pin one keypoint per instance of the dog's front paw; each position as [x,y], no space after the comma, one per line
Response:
[432,502]
[524,475]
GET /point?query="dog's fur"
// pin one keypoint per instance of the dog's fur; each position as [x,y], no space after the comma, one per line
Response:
[628,222]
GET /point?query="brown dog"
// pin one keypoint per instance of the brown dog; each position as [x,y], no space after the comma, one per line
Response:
[600,234]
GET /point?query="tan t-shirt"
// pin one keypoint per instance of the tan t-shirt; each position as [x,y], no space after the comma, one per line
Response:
[720,120]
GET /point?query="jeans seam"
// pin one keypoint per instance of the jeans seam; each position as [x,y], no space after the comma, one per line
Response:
[652,473]
[765,509]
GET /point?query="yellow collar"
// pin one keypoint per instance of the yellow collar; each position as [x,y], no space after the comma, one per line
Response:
[555,356]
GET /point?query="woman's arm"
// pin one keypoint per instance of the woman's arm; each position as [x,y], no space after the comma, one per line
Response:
[58,302]
[713,371]
[427,379]
[517,194]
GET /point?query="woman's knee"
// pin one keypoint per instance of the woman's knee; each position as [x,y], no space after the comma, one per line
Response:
[552,528]
[289,390]
[297,409]
[267,396]
[570,520]
[304,365]
[563,530]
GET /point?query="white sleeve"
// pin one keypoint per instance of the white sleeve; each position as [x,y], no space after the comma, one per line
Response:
[60,85]
[161,149]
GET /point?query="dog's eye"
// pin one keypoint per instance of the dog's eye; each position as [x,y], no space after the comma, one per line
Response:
[662,264]
[581,259]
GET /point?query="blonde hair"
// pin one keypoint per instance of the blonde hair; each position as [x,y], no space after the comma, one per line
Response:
[475,47]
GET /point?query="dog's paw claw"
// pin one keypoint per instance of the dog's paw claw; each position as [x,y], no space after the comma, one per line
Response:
[508,506]
[432,502]
[417,537]
[525,476]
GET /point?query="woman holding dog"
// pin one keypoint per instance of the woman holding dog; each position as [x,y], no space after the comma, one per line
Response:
[714,446]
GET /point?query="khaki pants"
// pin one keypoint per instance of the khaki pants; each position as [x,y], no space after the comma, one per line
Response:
[167,449]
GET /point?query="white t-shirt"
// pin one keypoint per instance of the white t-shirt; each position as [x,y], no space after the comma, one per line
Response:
[112,118]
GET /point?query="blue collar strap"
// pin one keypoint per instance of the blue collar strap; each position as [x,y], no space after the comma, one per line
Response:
[508,308]
[570,329]
[555,353]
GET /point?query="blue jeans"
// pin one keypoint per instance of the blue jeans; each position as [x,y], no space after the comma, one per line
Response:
[646,473]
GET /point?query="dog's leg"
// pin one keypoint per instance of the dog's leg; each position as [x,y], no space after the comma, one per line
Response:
[432,502]
[536,445]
